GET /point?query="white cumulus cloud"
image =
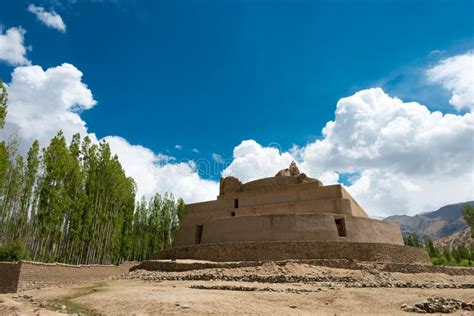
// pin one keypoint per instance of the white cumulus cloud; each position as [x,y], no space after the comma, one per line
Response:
[49,18]
[41,102]
[252,161]
[12,47]
[407,158]
[456,74]
[156,173]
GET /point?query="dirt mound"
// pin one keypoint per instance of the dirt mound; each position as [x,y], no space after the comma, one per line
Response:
[295,272]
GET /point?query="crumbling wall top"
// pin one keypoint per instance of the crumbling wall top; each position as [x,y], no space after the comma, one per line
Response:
[284,177]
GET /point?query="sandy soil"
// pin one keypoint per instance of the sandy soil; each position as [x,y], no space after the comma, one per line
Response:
[130,294]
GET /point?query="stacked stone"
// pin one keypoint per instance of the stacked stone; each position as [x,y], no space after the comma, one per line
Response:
[438,304]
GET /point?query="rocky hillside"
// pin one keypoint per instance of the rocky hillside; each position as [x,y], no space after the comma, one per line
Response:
[439,224]
[458,238]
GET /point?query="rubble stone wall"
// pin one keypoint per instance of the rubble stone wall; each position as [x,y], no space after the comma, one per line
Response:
[298,250]
[25,275]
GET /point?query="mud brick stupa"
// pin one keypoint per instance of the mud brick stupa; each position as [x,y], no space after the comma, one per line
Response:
[288,216]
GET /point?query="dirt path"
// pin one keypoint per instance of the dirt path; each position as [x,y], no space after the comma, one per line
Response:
[178,297]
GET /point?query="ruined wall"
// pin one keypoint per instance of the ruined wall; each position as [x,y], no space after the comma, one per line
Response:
[258,251]
[26,275]
[9,272]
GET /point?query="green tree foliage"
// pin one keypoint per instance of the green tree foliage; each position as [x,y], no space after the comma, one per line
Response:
[432,250]
[73,203]
[14,252]
[155,224]
[457,256]
[3,104]
[4,157]
[412,240]
[468,214]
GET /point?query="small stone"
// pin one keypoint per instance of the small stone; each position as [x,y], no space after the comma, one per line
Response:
[43,304]
[63,308]
[293,306]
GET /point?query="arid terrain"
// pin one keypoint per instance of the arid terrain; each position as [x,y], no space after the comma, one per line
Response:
[284,288]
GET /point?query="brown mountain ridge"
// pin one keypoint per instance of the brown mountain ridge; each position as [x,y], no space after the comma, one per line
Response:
[446,225]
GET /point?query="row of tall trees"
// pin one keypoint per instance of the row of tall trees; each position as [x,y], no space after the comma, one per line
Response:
[156,222]
[73,203]
[458,255]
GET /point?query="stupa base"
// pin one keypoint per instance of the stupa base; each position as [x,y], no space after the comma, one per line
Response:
[297,250]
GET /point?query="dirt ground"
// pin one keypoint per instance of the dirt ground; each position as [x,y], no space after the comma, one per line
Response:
[145,293]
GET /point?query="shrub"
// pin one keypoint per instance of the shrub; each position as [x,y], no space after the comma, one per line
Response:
[464,263]
[439,261]
[13,252]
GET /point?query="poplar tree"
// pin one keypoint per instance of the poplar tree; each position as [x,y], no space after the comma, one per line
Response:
[3,104]
[31,171]
[3,150]
[73,203]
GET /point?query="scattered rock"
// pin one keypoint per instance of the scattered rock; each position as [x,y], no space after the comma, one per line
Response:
[43,304]
[438,304]
[373,276]
[293,306]
[181,305]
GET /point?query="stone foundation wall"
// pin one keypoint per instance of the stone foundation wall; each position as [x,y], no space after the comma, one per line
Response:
[187,265]
[298,250]
[25,275]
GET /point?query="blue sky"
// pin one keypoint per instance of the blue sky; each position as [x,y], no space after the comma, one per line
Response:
[207,74]
[210,74]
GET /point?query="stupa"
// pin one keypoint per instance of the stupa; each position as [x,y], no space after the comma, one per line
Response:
[288,216]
